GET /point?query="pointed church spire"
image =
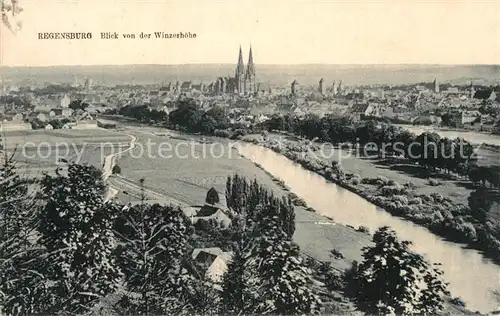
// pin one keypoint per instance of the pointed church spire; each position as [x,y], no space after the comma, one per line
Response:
[240,68]
[250,66]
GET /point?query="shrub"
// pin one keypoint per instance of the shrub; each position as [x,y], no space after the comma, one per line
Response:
[363,229]
[381,180]
[437,197]
[297,201]
[336,254]
[426,198]
[367,181]
[238,134]
[409,186]
[400,199]
[433,182]
[415,201]
[379,200]
[329,173]
[116,169]
[312,164]
[437,217]
[389,190]
[300,202]
[222,133]
[457,301]
[355,179]
[408,210]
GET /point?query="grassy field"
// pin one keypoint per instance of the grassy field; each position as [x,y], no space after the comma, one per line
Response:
[39,151]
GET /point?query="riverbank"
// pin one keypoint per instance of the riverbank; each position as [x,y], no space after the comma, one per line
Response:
[393,187]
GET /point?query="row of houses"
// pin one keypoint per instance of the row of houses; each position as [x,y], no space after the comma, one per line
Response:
[23,126]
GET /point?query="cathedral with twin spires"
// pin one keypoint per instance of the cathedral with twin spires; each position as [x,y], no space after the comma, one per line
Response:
[243,82]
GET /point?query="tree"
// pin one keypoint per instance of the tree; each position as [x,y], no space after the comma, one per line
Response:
[481,201]
[151,252]
[187,115]
[249,198]
[392,279]
[426,153]
[285,282]
[233,284]
[266,274]
[219,115]
[212,196]
[338,171]
[78,105]
[10,13]
[22,289]
[116,169]
[75,227]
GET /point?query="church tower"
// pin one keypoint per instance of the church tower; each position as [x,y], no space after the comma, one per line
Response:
[240,74]
[293,88]
[334,88]
[321,87]
[436,85]
[250,75]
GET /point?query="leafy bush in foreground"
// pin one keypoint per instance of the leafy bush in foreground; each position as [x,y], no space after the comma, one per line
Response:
[392,279]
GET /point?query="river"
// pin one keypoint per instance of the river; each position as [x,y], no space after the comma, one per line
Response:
[471,276]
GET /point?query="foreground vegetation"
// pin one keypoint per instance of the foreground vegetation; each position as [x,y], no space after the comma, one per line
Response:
[64,250]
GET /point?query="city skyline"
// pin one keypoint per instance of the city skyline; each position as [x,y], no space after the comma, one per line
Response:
[281,33]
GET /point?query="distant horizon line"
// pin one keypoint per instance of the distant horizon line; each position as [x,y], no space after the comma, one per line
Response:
[257,64]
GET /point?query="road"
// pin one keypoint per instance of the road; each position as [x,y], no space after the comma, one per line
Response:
[109,163]
[118,183]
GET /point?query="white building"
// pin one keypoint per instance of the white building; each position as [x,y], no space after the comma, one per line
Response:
[215,261]
[65,101]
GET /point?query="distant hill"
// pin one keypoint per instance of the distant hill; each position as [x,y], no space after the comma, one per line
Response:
[266,74]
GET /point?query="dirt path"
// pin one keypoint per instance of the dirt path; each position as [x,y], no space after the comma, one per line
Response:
[110,162]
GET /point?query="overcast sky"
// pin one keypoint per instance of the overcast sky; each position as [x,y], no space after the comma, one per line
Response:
[281,32]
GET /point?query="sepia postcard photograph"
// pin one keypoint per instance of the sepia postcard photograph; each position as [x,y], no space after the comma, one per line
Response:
[248,157]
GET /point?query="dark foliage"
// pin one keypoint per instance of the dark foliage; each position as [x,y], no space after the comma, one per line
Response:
[75,225]
[212,196]
[393,279]
[151,254]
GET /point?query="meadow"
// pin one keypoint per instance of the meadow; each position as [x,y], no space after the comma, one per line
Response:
[190,172]
[39,151]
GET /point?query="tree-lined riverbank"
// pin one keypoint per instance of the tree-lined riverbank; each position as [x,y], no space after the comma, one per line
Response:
[397,192]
